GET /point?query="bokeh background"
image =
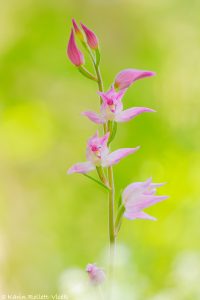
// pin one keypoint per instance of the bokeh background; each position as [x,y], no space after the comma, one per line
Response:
[51,222]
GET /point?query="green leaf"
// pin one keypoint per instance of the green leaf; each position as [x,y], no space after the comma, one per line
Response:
[86,73]
[97,181]
[119,200]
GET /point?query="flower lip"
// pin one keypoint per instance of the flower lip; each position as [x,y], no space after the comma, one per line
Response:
[112,108]
[110,102]
[94,148]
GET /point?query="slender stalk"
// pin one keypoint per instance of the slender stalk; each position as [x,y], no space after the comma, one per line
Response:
[111,199]
[111,196]
[110,180]
[111,205]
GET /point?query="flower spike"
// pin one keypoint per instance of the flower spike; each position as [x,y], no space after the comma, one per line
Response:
[74,54]
[127,77]
[92,39]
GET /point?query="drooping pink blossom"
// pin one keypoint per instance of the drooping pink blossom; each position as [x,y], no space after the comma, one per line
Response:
[74,54]
[112,108]
[92,39]
[138,196]
[96,274]
[97,154]
[126,77]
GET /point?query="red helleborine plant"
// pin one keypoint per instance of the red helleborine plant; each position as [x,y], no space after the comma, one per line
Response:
[136,196]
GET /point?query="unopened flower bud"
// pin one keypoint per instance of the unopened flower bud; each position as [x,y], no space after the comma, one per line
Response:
[77,30]
[92,39]
[126,77]
[74,54]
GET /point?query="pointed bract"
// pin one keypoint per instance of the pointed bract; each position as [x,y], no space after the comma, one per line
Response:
[74,54]
[127,77]
[91,37]
[138,196]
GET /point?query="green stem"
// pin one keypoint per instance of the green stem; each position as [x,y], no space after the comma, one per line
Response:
[111,206]
[112,237]
[111,197]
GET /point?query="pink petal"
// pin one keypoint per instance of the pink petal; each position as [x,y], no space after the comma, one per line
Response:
[112,94]
[94,117]
[81,168]
[104,96]
[138,215]
[131,113]
[136,188]
[126,77]
[114,157]
[104,139]
[144,202]
[155,185]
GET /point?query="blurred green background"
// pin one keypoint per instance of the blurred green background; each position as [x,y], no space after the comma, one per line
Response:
[51,222]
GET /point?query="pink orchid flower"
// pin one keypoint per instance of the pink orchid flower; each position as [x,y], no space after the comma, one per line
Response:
[138,196]
[127,77]
[96,274]
[74,54]
[112,108]
[97,154]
